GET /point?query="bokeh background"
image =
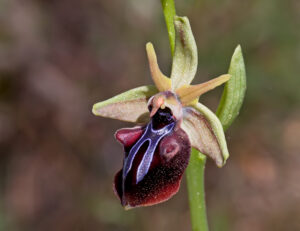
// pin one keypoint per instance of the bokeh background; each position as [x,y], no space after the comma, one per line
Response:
[57,160]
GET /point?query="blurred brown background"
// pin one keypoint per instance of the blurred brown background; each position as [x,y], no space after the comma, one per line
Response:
[57,160]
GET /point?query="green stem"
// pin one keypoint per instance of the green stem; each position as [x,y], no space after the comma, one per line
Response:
[195,184]
[228,110]
[169,13]
[195,169]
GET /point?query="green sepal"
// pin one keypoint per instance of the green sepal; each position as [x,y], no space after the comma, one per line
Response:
[185,58]
[217,128]
[234,90]
[130,106]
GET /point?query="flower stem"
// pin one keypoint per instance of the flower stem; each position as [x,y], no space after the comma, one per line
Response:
[228,110]
[195,169]
[169,13]
[195,184]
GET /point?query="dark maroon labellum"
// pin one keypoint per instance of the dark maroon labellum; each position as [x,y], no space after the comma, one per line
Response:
[155,159]
[151,136]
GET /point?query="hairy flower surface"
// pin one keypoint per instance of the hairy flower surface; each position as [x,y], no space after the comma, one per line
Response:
[170,122]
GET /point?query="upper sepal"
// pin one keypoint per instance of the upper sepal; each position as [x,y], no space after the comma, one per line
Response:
[185,58]
[205,132]
[130,106]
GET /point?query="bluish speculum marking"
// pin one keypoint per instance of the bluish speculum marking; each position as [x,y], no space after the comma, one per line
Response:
[153,137]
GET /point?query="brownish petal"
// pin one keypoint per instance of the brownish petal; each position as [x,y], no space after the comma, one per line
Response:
[201,135]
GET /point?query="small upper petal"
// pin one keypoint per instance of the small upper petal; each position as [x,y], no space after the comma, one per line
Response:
[162,82]
[188,94]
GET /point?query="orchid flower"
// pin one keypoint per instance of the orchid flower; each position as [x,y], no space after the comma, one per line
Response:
[170,121]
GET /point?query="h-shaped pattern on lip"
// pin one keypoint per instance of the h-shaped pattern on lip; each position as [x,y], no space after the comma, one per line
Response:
[153,137]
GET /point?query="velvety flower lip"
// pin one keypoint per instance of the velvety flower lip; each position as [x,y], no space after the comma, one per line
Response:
[153,137]
[163,178]
[171,122]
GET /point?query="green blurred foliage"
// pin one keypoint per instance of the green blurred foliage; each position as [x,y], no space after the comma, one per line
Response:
[57,58]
